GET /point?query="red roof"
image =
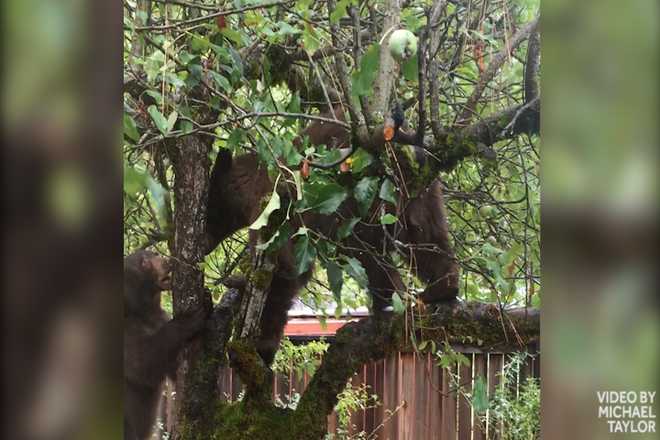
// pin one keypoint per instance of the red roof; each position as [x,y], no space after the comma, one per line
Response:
[312,327]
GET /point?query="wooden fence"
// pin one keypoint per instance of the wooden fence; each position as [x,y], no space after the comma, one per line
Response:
[416,396]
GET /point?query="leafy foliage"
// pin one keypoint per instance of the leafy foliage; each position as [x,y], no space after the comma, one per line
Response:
[299,358]
[194,76]
[517,409]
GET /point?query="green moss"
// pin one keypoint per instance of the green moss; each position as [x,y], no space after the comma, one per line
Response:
[245,265]
[261,278]
[239,422]
[419,176]
[247,360]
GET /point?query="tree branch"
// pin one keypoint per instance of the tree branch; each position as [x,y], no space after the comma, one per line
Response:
[201,390]
[207,17]
[388,67]
[360,342]
[434,68]
[532,66]
[495,64]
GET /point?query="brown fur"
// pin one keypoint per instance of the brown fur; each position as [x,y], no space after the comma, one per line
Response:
[238,186]
[151,340]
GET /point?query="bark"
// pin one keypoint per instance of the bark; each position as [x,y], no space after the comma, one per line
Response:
[434,65]
[142,14]
[532,66]
[190,159]
[254,373]
[388,68]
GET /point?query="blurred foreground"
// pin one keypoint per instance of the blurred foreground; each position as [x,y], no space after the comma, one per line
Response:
[600,327]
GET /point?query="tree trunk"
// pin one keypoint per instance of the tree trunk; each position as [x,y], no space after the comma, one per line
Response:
[191,168]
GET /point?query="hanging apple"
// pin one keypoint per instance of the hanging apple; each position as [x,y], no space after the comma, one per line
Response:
[403,45]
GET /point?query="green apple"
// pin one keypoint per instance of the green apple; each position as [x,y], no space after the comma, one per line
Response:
[487,211]
[403,45]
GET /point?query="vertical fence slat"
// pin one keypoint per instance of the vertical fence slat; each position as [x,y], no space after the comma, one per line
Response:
[431,410]
[407,393]
[401,416]
[437,399]
[379,390]
[494,376]
[448,406]
[370,381]
[356,424]
[391,384]
[422,384]
[464,407]
[480,370]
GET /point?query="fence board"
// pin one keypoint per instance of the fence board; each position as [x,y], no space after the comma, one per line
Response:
[448,407]
[379,390]
[495,364]
[420,402]
[464,407]
[480,370]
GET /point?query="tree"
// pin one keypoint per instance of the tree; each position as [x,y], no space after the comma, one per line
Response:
[246,77]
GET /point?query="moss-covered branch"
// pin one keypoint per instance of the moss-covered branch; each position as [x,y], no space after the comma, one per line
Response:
[254,373]
[476,324]
[356,344]
[203,377]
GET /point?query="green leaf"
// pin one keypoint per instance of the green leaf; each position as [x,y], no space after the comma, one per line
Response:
[232,35]
[347,228]
[130,129]
[397,304]
[161,123]
[310,39]
[134,181]
[236,138]
[279,238]
[360,160]
[388,191]
[329,156]
[339,12]
[294,104]
[287,151]
[186,126]
[410,69]
[363,79]
[479,395]
[335,279]
[171,120]
[273,205]
[221,81]
[354,268]
[304,251]
[198,43]
[365,192]
[325,197]
[388,219]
